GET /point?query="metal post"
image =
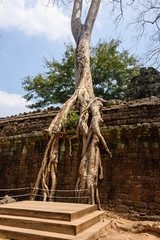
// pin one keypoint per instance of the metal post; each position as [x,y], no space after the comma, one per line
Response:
[31,191]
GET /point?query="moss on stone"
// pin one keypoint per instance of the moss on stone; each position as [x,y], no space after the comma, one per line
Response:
[23,136]
[132,132]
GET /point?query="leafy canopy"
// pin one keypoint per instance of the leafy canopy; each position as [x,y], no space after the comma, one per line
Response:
[111,72]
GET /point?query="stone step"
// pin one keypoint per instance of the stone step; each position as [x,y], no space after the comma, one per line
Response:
[91,233]
[72,228]
[49,210]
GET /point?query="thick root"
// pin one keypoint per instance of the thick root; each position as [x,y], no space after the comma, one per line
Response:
[90,165]
[47,174]
[139,227]
[56,124]
[145,227]
[90,170]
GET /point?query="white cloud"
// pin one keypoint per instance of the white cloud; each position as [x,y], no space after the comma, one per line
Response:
[12,104]
[34,19]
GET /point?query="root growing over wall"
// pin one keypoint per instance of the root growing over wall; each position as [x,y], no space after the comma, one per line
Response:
[90,169]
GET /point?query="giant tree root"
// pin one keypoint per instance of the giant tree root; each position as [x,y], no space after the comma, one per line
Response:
[90,170]
[47,174]
[140,227]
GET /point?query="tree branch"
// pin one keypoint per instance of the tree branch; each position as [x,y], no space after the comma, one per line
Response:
[76,24]
[92,13]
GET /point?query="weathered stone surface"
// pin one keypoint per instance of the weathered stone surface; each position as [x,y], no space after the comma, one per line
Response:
[131,182]
[27,122]
[20,159]
[7,199]
[124,113]
[147,84]
[132,177]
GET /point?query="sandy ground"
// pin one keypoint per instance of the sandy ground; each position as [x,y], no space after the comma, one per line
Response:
[117,233]
[4,238]
[121,235]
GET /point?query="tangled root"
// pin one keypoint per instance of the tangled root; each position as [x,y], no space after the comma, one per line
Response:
[90,169]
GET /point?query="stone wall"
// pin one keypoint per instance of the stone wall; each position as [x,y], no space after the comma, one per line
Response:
[27,123]
[131,183]
[147,84]
[20,159]
[132,178]
[115,113]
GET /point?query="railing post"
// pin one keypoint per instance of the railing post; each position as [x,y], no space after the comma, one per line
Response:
[31,191]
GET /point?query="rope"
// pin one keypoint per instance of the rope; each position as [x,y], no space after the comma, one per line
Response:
[69,197]
[56,196]
[13,189]
[23,195]
[62,190]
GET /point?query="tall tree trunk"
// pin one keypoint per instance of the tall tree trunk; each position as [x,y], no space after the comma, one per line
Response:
[90,169]
[91,160]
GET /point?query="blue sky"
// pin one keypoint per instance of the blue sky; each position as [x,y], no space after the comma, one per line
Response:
[29,31]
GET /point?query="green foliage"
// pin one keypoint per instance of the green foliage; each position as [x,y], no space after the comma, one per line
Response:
[111,71]
[56,85]
[70,119]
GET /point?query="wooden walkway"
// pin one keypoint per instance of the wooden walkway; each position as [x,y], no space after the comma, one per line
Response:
[51,220]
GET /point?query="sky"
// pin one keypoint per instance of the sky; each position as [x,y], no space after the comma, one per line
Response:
[30,32]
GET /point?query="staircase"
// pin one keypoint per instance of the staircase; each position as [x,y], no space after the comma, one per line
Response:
[51,220]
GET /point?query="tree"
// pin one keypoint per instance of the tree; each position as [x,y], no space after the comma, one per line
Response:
[111,71]
[90,169]
[147,14]
[89,119]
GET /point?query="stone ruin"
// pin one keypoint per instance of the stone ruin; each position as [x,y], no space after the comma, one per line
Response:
[131,183]
[145,85]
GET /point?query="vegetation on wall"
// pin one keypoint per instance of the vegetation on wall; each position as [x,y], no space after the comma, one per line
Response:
[70,119]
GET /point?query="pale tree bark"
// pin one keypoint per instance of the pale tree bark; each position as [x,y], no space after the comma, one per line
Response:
[90,169]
